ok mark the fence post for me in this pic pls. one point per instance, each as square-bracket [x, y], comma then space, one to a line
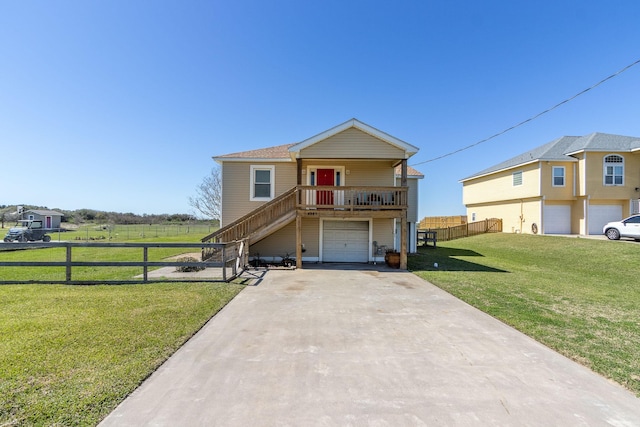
[145, 259]
[224, 263]
[68, 262]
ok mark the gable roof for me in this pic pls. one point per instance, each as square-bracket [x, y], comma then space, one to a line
[355, 123]
[563, 148]
[45, 212]
[279, 152]
[289, 152]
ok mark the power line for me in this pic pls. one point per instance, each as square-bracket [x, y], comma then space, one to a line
[532, 117]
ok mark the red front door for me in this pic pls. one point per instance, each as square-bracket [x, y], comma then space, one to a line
[325, 177]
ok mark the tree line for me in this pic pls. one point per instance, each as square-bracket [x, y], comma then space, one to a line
[207, 202]
[79, 216]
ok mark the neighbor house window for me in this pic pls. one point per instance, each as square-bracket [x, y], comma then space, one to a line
[558, 176]
[613, 170]
[517, 178]
[262, 182]
[473, 216]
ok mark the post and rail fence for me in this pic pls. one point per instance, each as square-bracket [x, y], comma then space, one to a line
[218, 255]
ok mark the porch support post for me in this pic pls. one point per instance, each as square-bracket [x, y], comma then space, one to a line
[403, 176]
[403, 219]
[403, 241]
[298, 241]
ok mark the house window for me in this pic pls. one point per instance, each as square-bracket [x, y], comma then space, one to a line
[558, 176]
[613, 170]
[473, 217]
[517, 178]
[262, 183]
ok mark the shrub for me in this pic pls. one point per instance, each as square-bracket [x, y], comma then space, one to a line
[188, 269]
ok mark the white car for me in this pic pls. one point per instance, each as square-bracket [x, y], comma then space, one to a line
[629, 227]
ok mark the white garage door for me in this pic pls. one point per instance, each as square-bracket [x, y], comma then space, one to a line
[557, 219]
[599, 215]
[345, 241]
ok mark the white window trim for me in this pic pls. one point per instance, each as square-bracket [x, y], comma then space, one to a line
[604, 170]
[341, 169]
[272, 170]
[553, 176]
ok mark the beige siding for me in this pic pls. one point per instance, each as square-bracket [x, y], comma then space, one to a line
[366, 173]
[499, 186]
[236, 182]
[517, 216]
[352, 144]
[412, 195]
[284, 240]
[383, 231]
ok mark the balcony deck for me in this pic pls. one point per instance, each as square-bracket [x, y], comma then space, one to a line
[362, 201]
[315, 202]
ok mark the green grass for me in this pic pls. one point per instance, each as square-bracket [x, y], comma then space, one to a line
[127, 232]
[580, 297]
[70, 354]
[91, 254]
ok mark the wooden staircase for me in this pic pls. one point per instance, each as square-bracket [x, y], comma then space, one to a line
[260, 222]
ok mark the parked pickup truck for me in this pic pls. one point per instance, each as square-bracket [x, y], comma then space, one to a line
[27, 231]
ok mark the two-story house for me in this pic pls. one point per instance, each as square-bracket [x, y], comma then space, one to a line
[343, 195]
[572, 185]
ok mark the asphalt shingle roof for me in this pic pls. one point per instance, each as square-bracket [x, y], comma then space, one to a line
[44, 212]
[277, 152]
[561, 149]
[604, 142]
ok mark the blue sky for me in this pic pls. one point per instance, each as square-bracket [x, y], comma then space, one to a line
[120, 105]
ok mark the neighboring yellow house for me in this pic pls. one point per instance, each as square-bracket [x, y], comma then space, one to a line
[343, 195]
[573, 185]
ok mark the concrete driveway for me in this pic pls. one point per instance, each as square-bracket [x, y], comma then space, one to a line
[326, 347]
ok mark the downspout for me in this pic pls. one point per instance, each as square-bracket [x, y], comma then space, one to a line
[521, 214]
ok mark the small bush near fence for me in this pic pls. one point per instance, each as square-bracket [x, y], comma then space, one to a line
[492, 225]
[188, 268]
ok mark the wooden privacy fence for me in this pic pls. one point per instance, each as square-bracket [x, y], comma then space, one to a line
[492, 225]
[219, 255]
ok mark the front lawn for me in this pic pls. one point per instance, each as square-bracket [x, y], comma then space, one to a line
[578, 296]
[70, 354]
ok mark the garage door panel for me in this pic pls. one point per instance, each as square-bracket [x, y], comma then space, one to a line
[599, 215]
[557, 219]
[345, 241]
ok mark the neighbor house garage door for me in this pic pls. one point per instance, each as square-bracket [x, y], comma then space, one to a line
[599, 215]
[557, 219]
[345, 241]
